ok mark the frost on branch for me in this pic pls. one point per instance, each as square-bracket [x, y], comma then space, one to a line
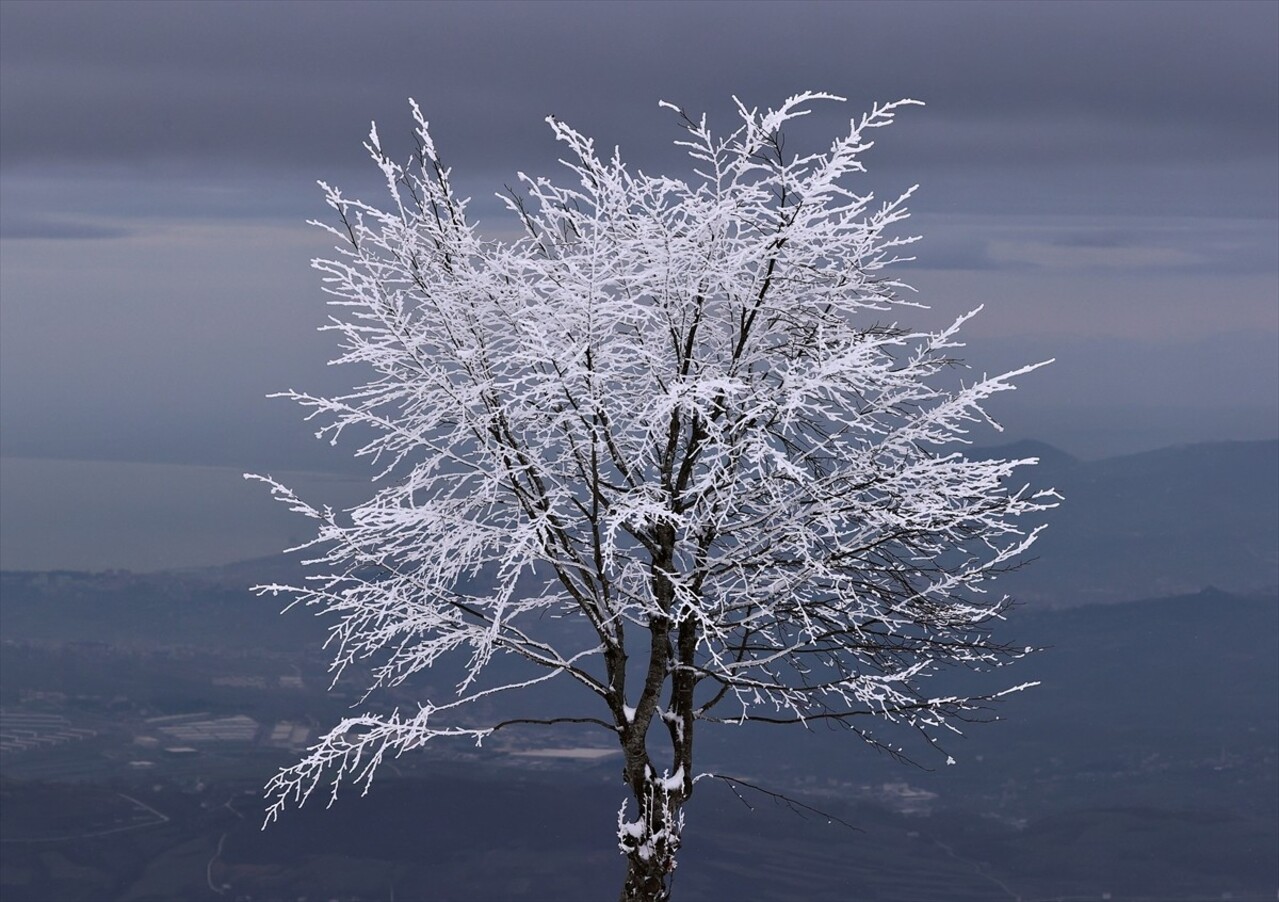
[681, 410]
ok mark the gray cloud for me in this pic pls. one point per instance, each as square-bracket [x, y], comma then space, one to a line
[281, 85]
[1088, 170]
[44, 228]
[1083, 244]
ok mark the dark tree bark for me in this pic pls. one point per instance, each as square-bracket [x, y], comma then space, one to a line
[651, 841]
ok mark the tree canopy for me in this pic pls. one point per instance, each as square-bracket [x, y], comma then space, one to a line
[679, 410]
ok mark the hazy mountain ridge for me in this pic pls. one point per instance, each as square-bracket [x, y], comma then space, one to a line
[126, 609]
[1171, 521]
[1165, 522]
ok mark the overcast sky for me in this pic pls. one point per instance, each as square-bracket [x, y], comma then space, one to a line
[1104, 177]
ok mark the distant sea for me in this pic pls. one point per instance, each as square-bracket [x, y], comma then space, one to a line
[104, 515]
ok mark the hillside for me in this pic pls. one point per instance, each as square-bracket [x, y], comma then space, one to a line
[1164, 522]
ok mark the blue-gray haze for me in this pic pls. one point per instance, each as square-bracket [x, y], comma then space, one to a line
[1103, 177]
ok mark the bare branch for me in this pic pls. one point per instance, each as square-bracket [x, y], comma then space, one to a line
[671, 445]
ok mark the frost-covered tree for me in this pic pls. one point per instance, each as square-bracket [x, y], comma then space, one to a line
[680, 412]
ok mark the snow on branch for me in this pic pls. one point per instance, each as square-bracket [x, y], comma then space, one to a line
[677, 412]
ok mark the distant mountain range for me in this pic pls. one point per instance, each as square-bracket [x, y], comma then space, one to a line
[1164, 522]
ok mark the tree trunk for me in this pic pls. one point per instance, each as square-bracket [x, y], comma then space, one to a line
[646, 881]
[651, 843]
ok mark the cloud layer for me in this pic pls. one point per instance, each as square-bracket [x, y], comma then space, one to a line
[1092, 173]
